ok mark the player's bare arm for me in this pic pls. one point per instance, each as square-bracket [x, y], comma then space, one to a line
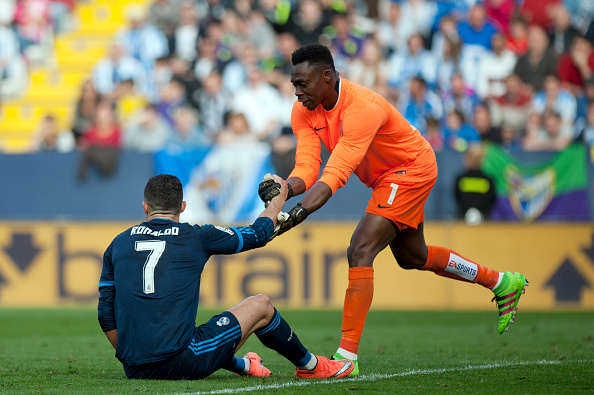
[112, 336]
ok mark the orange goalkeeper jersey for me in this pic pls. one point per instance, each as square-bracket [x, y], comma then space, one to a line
[365, 134]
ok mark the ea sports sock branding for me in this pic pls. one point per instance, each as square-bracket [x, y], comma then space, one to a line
[445, 262]
[461, 267]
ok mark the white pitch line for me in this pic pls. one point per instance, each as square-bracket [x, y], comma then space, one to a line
[375, 377]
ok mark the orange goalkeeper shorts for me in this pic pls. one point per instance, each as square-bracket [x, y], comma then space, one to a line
[401, 199]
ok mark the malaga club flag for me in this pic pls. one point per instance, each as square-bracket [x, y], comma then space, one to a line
[220, 182]
[555, 189]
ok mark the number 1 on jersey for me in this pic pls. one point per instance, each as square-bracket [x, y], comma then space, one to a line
[156, 248]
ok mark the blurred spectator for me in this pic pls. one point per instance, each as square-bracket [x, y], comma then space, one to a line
[587, 133]
[563, 32]
[511, 139]
[517, 41]
[419, 103]
[235, 73]
[475, 33]
[171, 98]
[538, 61]
[181, 70]
[259, 102]
[434, 135]
[213, 104]
[460, 98]
[260, 32]
[577, 65]
[346, 38]
[306, 22]
[416, 61]
[590, 32]
[7, 11]
[511, 108]
[127, 99]
[207, 58]
[501, 12]
[34, 28]
[186, 32]
[117, 67]
[482, 124]
[164, 15]
[140, 39]
[187, 133]
[49, 138]
[539, 12]
[459, 135]
[146, 131]
[159, 77]
[447, 65]
[278, 64]
[474, 190]
[494, 67]
[60, 14]
[13, 69]
[550, 137]
[32, 19]
[283, 146]
[477, 30]
[86, 106]
[370, 69]
[416, 17]
[388, 32]
[101, 143]
[554, 99]
[582, 13]
[448, 31]
[236, 131]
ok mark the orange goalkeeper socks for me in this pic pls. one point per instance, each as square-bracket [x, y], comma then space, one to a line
[445, 262]
[357, 302]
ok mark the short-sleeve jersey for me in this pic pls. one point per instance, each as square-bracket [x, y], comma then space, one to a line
[151, 280]
[365, 135]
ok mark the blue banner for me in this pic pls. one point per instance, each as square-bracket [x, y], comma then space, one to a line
[220, 182]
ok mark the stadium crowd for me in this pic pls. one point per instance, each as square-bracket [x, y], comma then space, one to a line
[189, 73]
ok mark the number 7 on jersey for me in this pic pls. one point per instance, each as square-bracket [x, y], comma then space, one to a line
[156, 248]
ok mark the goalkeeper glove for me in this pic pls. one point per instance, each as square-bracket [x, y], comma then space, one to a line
[268, 189]
[294, 217]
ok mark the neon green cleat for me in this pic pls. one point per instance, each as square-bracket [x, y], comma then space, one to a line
[508, 295]
[355, 371]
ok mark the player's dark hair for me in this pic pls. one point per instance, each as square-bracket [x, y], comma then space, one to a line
[316, 54]
[164, 193]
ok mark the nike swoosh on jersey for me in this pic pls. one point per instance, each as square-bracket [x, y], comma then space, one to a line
[316, 129]
[380, 206]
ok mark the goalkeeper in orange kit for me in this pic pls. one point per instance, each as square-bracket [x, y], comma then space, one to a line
[367, 136]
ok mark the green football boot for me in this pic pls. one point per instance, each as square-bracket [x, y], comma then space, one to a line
[355, 371]
[507, 295]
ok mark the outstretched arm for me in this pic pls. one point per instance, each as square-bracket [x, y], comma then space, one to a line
[317, 196]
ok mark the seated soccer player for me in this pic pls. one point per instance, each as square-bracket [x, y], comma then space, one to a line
[150, 285]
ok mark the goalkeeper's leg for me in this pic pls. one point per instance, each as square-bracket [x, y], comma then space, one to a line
[372, 235]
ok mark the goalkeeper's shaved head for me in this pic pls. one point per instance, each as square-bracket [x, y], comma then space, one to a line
[164, 194]
[316, 54]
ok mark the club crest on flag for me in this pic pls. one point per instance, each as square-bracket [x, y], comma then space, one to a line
[529, 194]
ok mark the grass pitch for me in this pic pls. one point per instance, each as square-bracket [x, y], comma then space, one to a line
[63, 351]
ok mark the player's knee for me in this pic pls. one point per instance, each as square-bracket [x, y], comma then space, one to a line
[360, 255]
[262, 304]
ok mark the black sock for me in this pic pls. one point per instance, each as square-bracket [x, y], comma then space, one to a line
[279, 336]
